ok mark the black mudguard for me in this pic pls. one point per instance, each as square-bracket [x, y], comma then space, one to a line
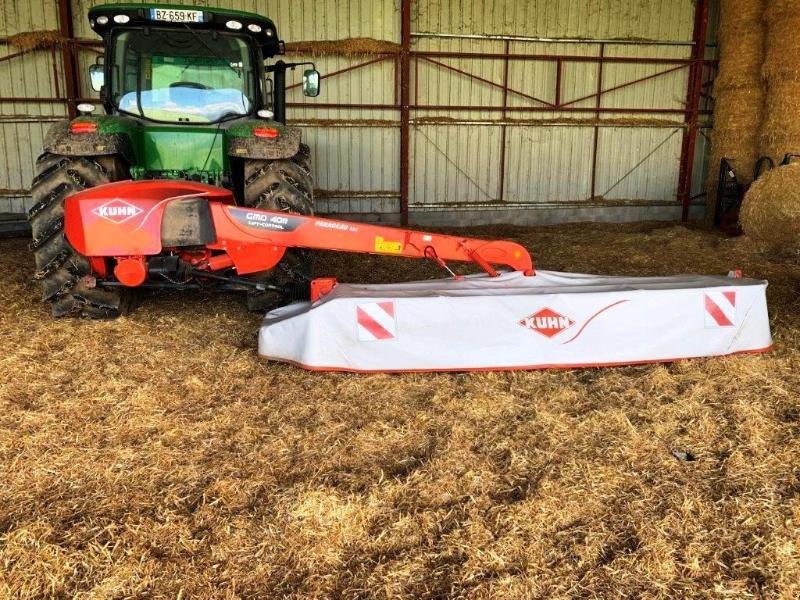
[286, 145]
[60, 140]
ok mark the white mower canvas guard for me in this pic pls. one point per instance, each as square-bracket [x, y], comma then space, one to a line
[550, 320]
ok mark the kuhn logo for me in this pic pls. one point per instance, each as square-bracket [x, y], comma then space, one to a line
[547, 322]
[117, 211]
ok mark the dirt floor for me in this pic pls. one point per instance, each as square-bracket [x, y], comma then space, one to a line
[157, 457]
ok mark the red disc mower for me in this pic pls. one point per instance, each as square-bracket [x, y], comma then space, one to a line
[179, 234]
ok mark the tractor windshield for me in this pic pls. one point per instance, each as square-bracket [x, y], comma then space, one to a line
[182, 76]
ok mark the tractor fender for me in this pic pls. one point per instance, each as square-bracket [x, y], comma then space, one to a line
[285, 145]
[60, 140]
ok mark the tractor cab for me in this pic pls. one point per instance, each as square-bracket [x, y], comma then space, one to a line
[170, 64]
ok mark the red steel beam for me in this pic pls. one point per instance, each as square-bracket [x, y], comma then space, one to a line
[502, 190]
[55, 71]
[396, 81]
[559, 69]
[481, 108]
[405, 110]
[626, 84]
[689, 144]
[14, 55]
[441, 107]
[347, 69]
[68, 56]
[554, 57]
[596, 133]
[559, 63]
[416, 81]
[503, 87]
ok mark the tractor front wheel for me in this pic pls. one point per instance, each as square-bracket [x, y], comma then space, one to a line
[63, 272]
[281, 186]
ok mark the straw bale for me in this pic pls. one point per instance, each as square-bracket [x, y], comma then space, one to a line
[747, 12]
[32, 40]
[740, 60]
[780, 129]
[343, 47]
[738, 93]
[780, 10]
[739, 111]
[782, 60]
[735, 137]
[771, 209]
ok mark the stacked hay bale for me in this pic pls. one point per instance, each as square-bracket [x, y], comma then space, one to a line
[738, 92]
[780, 129]
[771, 209]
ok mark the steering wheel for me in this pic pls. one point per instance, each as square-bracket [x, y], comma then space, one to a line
[189, 84]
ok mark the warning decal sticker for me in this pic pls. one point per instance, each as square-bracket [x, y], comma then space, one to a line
[376, 321]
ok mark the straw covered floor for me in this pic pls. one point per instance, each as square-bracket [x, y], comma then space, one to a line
[156, 457]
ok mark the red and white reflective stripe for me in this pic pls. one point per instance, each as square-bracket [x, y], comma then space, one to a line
[376, 321]
[720, 309]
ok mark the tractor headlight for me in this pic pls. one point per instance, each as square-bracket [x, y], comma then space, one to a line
[121, 19]
[85, 108]
[254, 28]
[233, 25]
[102, 20]
[269, 32]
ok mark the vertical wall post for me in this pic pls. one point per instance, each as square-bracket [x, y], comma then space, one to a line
[693, 95]
[596, 139]
[502, 192]
[405, 113]
[66, 29]
[559, 68]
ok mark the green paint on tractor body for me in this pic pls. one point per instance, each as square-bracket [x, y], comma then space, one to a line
[181, 152]
[171, 151]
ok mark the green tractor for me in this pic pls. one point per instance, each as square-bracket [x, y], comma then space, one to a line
[186, 94]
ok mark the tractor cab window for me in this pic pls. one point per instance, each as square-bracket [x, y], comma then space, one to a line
[182, 76]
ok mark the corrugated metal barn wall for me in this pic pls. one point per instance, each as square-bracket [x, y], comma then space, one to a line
[37, 74]
[534, 111]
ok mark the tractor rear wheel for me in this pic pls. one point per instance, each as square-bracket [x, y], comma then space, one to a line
[60, 269]
[282, 186]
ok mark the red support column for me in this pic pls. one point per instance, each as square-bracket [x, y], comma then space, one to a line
[68, 55]
[558, 83]
[502, 192]
[693, 94]
[598, 99]
[405, 113]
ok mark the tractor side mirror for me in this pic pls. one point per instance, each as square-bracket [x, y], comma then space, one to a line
[97, 77]
[311, 83]
[268, 91]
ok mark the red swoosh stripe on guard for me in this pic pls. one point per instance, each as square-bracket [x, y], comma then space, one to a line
[592, 318]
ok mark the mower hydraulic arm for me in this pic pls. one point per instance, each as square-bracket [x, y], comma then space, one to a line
[249, 228]
[130, 221]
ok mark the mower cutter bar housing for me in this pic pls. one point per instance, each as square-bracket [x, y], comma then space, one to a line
[553, 320]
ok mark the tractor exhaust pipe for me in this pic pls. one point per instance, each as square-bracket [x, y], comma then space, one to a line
[279, 103]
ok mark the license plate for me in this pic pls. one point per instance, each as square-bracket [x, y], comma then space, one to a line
[176, 15]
